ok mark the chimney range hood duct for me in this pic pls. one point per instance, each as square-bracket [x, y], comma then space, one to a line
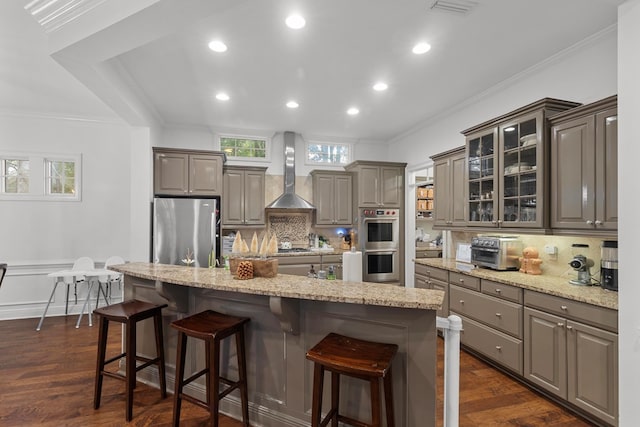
[289, 200]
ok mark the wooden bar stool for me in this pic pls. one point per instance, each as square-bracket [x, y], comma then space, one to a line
[365, 360]
[129, 313]
[212, 327]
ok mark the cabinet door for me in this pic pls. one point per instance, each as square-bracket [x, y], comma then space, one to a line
[592, 360]
[324, 199]
[391, 187]
[545, 351]
[482, 194]
[171, 174]
[253, 198]
[442, 192]
[441, 286]
[573, 174]
[457, 195]
[369, 186]
[343, 209]
[233, 201]
[607, 169]
[205, 175]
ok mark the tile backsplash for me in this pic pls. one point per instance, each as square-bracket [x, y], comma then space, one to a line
[554, 265]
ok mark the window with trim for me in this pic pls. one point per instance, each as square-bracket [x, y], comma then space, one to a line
[326, 153]
[245, 147]
[40, 176]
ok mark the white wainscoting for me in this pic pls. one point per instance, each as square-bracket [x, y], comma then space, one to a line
[26, 289]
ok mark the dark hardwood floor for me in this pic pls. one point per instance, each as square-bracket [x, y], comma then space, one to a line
[46, 379]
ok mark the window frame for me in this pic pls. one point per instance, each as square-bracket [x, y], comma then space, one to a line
[267, 147]
[328, 143]
[38, 188]
[4, 175]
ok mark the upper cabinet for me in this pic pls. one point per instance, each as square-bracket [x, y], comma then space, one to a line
[243, 199]
[507, 171]
[378, 184]
[333, 197]
[449, 188]
[187, 172]
[584, 168]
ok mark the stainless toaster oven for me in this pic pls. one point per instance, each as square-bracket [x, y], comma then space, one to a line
[496, 252]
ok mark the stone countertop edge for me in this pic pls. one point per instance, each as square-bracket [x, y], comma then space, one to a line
[288, 286]
[552, 285]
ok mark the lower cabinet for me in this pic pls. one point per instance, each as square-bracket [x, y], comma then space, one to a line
[426, 277]
[300, 265]
[572, 360]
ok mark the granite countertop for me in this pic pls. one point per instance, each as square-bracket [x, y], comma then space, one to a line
[552, 285]
[288, 286]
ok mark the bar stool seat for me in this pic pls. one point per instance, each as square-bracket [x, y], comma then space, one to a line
[366, 360]
[212, 327]
[129, 313]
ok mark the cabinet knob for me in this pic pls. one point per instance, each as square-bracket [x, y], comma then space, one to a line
[494, 222]
[561, 324]
[498, 315]
[461, 301]
[570, 328]
[589, 222]
[563, 307]
[461, 280]
[498, 290]
[499, 348]
[598, 222]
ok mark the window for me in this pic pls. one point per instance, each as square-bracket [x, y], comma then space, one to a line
[325, 153]
[60, 177]
[245, 147]
[15, 175]
[40, 176]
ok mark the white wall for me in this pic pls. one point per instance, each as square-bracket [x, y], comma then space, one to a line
[584, 73]
[629, 206]
[39, 237]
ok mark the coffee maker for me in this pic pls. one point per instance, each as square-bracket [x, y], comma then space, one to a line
[609, 265]
[582, 264]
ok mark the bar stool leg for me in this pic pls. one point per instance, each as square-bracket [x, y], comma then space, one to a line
[102, 350]
[130, 349]
[316, 406]
[213, 379]
[335, 398]
[177, 396]
[242, 373]
[375, 402]
[388, 399]
[157, 323]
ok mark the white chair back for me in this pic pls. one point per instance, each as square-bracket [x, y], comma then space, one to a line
[82, 263]
[114, 276]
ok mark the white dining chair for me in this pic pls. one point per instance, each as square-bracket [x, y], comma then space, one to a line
[107, 280]
[83, 263]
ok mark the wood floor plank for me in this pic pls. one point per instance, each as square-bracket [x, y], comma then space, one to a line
[46, 379]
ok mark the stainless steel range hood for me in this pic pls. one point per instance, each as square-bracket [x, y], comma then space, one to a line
[289, 200]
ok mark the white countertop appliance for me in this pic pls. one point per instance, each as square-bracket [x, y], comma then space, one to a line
[496, 252]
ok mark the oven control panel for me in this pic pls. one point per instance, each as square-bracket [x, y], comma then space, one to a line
[380, 213]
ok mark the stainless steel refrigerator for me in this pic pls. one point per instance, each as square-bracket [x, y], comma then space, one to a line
[186, 231]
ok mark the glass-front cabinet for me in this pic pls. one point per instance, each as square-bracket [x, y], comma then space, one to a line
[506, 182]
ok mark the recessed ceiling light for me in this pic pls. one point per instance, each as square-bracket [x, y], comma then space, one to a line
[292, 104]
[380, 86]
[217, 46]
[421, 48]
[295, 21]
[221, 96]
[352, 111]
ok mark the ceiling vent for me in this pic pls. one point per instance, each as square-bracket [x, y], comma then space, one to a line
[460, 7]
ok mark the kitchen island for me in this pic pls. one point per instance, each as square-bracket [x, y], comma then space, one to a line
[289, 315]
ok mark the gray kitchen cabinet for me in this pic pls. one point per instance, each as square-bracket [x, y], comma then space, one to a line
[299, 265]
[333, 197]
[449, 188]
[584, 168]
[566, 356]
[378, 184]
[507, 171]
[180, 172]
[243, 201]
[426, 277]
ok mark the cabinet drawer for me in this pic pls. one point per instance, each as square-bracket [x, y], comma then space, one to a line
[425, 282]
[500, 290]
[464, 280]
[502, 315]
[503, 349]
[575, 310]
[436, 273]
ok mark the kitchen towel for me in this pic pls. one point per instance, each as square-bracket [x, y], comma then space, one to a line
[352, 266]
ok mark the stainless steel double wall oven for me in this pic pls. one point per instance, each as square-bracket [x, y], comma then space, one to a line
[380, 244]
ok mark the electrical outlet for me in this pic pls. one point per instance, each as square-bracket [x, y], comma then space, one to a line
[550, 249]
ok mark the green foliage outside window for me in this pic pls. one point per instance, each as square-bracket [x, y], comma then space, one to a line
[244, 147]
[328, 153]
[15, 176]
[61, 177]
